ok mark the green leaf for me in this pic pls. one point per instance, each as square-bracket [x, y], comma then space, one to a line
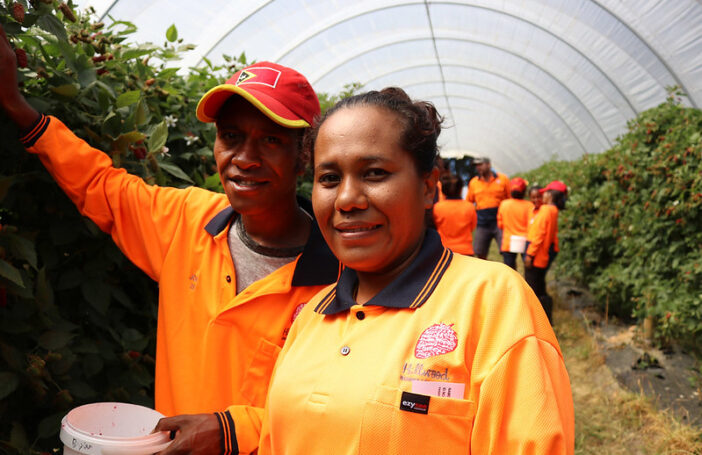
[136, 53]
[54, 340]
[53, 25]
[175, 171]
[44, 292]
[11, 273]
[112, 125]
[67, 90]
[5, 184]
[158, 138]
[23, 249]
[50, 426]
[128, 98]
[96, 294]
[18, 436]
[142, 112]
[168, 72]
[172, 33]
[8, 383]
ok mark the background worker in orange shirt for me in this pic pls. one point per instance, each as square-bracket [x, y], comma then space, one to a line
[513, 218]
[232, 268]
[542, 240]
[486, 190]
[454, 217]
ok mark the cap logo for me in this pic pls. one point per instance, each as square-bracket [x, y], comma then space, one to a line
[259, 75]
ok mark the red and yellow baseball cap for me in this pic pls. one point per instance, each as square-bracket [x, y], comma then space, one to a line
[281, 93]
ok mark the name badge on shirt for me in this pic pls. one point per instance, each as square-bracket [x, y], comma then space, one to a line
[439, 389]
[413, 402]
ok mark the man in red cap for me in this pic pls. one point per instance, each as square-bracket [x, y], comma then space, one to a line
[233, 269]
[513, 219]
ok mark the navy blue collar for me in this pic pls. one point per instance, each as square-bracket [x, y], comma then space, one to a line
[316, 266]
[409, 290]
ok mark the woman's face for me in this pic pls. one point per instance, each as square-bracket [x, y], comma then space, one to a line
[368, 196]
[535, 198]
[547, 197]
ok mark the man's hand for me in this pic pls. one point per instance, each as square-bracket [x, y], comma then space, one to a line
[528, 261]
[197, 434]
[11, 100]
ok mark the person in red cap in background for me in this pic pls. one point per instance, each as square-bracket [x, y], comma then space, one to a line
[486, 190]
[454, 217]
[542, 239]
[513, 219]
[233, 269]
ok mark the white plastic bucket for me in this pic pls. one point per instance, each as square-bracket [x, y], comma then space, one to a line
[517, 244]
[112, 429]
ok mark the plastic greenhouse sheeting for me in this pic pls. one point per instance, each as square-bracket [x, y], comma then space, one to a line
[522, 82]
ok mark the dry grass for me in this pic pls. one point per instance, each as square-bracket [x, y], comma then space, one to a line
[610, 420]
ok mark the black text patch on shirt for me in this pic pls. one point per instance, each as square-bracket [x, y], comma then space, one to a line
[413, 402]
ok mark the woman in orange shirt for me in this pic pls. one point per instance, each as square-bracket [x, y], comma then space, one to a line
[541, 241]
[513, 217]
[455, 218]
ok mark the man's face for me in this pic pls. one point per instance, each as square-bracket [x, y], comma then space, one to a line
[257, 159]
[483, 168]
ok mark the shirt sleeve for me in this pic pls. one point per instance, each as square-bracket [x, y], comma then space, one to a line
[141, 218]
[525, 403]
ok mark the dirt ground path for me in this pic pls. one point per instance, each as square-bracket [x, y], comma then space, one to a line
[608, 418]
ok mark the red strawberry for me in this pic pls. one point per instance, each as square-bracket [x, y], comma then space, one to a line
[18, 12]
[139, 153]
[21, 57]
[67, 13]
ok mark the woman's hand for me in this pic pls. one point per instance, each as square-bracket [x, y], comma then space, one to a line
[528, 261]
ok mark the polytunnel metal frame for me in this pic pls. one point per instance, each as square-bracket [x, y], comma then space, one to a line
[585, 91]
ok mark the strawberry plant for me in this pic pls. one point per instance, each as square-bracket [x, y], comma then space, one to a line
[631, 231]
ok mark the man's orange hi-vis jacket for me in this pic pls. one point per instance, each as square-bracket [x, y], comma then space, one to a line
[214, 348]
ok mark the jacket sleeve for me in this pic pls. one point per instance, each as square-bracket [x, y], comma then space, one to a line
[141, 218]
[240, 428]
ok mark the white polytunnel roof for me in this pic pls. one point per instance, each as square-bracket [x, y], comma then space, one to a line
[520, 81]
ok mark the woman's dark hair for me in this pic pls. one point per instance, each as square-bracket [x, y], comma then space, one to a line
[453, 186]
[421, 123]
[534, 187]
[517, 194]
[558, 198]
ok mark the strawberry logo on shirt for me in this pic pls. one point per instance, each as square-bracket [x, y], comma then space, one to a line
[436, 340]
[297, 312]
